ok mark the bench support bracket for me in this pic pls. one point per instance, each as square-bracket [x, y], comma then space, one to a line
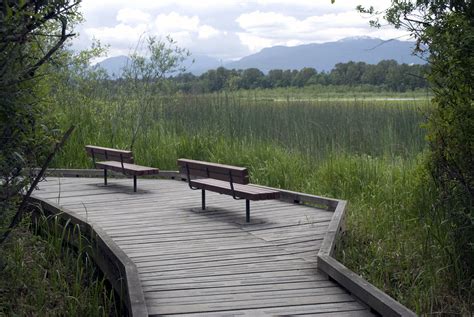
[203, 195]
[135, 183]
[105, 176]
[247, 210]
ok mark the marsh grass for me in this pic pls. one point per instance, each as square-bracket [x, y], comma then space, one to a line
[369, 152]
[335, 92]
[313, 128]
[42, 276]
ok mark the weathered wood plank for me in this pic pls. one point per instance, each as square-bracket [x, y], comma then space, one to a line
[127, 168]
[214, 170]
[252, 303]
[182, 297]
[234, 280]
[242, 191]
[210, 262]
[165, 292]
[326, 310]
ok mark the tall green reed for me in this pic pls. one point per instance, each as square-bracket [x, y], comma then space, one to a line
[366, 151]
[313, 128]
[43, 276]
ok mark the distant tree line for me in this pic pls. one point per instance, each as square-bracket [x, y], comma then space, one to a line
[387, 74]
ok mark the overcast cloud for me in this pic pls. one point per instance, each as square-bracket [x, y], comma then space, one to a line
[226, 29]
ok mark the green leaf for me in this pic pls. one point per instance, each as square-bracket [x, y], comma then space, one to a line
[9, 10]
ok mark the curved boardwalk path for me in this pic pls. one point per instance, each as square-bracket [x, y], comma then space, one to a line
[211, 263]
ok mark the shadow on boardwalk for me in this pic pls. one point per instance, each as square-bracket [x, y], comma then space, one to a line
[211, 262]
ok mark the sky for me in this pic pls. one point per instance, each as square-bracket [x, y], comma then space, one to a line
[226, 30]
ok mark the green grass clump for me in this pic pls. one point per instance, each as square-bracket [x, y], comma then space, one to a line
[367, 151]
[40, 276]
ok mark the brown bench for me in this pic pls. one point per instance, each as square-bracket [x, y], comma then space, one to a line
[118, 161]
[224, 179]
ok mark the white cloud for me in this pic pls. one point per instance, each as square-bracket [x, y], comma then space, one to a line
[118, 35]
[262, 29]
[225, 28]
[174, 22]
[189, 6]
[277, 25]
[262, 22]
[132, 16]
[188, 31]
[253, 42]
[207, 32]
[325, 6]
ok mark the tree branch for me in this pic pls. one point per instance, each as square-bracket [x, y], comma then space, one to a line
[63, 38]
[19, 214]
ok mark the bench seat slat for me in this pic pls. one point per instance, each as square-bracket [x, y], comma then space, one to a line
[214, 170]
[195, 163]
[242, 191]
[108, 154]
[102, 149]
[113, 157]
[130, 168]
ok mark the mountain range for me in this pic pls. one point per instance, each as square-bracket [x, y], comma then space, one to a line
[321, 56]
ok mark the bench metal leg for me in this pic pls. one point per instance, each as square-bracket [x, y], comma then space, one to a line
[105, 176]
[203, 195]
[135, 183]
[247, 210]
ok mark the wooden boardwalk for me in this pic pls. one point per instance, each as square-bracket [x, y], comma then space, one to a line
[211, 263]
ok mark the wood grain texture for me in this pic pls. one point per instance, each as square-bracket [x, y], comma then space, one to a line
[242, 191]
[131, 169]
[109, 154]
[211, 262]
[240, 175]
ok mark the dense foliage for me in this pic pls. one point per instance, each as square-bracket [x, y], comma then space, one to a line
[38, 277]
[387, 74]
[31, 33]
[444, 30]
[451, 130]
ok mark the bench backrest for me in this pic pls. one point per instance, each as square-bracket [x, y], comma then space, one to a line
[108, 154]
[222, 172]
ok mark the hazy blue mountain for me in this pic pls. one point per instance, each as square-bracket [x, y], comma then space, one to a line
[114, 65]
[325, 55]
[202, 63]
[320, 56]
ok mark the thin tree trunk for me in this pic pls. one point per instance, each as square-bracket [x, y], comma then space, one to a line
[19, 214]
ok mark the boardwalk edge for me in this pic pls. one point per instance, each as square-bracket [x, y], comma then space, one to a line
[367, 293]
[373, 297]
[118, 268]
